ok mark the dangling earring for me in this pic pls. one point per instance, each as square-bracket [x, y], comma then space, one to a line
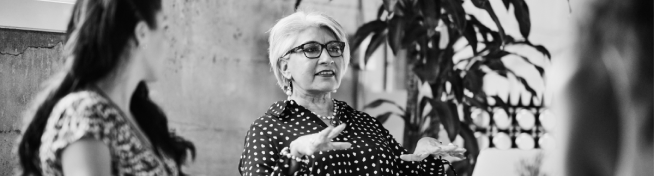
[289, 89]
[334, 91]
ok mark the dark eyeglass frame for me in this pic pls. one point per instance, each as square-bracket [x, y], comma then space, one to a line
[322, 46]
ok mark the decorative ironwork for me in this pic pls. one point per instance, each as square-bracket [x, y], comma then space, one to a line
[520, 125]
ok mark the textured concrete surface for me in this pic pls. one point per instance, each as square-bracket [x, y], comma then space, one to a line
[27, 58]
[216, 81]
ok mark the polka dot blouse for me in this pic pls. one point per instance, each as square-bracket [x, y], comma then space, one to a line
[374, 151]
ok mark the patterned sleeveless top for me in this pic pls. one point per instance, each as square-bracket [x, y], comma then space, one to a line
[89, 115]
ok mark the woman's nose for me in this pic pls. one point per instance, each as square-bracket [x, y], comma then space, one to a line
[325, 58]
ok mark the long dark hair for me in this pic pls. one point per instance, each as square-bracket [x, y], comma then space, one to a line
[98, 34]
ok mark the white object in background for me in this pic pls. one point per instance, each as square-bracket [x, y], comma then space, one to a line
[525, 141]
[547, 119]
[526, 119]
[502, 120]
[480, 117]
[36, 15]
[502, 141]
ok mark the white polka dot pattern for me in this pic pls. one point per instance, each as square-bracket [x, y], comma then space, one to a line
[374, 151]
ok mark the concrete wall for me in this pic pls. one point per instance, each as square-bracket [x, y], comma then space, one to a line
[217, 78]
[27, 58]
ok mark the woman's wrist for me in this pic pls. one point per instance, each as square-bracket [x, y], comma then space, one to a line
[293, 151]
[286, 152]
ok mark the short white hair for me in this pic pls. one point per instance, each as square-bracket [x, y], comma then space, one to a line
[284, 34]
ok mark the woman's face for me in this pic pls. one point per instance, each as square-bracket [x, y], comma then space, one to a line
[314, 75]
[153, 48]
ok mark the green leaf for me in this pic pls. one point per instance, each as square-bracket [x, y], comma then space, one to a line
[467, 114]
[493, 16]
[472, 151]
[479, 3]
[457, 85]
[500, 102]
[380, 12]
[455, 9]
[432, 12]
[428, 69]
[390, 5]
[526, 85]
[414, 32]
[473, 79]
[423, 102]
[376, 41]
[471, 35]
[507, 3]
[396, 33]
[521, 11]
[543, 50]
[367, 29]
[379, 102]
[540, 69]
[297, 4]
[383, 117]
[494, 64]
[447, 114]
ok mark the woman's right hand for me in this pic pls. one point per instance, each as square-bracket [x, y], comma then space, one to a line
[316, 142]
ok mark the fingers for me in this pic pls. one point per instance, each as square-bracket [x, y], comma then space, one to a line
[340, 145]
[414, 157]
[335, 131]
[325, 133]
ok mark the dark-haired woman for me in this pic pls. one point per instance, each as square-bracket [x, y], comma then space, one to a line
[95, 117]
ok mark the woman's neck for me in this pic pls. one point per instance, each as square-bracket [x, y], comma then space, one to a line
[320, 103]
[119, 88]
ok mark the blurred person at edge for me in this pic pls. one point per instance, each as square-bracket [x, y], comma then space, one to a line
[95, 117]
[606, 92]
[312, 134]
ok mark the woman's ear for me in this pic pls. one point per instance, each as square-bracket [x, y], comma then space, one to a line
[283, 68]
[141, 33]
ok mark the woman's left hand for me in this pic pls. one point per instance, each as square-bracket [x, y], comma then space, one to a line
[430, 146]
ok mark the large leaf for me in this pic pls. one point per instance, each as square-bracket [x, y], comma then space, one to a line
[379, 102]
[540, 48]
[396, 27]
[526, 85]
[367, 29]
[376, 41]
[473, 79]
[431, 15]
[389, 5]
[521, 11]
[543, 50]
[540, 69]
[447, 113]
[380, 11]
[428, 69]
[479, 3]
[456, 83]
[471, 35]
[423, 103]
[416, 30]
[383, 117]
[297, 4]
[455, 9]
[493, 16]
[472, 152]
[507, 3]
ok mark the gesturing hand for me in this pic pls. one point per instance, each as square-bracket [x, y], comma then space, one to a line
[316, 142]
[430, 146]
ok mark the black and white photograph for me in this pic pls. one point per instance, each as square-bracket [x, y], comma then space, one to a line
[326, 88]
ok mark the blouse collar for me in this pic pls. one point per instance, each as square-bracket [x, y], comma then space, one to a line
[283, 108]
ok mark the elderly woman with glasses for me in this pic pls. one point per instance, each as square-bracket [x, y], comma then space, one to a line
[312, 134]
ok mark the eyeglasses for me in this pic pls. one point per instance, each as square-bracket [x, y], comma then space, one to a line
[313, 50]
